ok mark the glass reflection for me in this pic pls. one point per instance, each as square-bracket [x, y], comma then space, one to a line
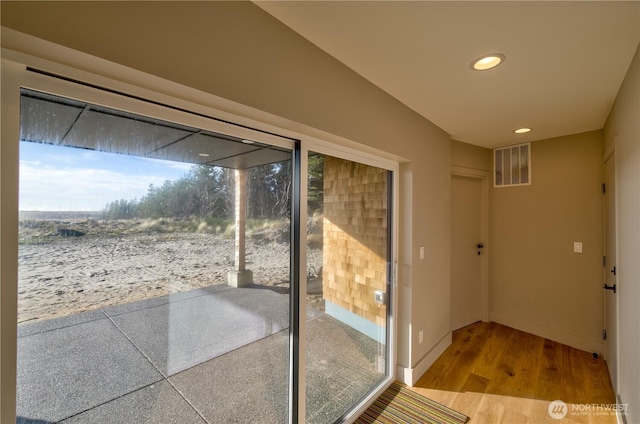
[347, 335]
[124, 306]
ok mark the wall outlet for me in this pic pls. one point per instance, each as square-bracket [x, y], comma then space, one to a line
[421, 252]
[420, 336]
[577, 247]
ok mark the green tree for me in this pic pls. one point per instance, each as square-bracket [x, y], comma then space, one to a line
[315, 183]
[208, 192]
[121, 209]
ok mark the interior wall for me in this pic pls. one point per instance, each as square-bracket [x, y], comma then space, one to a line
[537, 283]
[622, 133]
[469, 156]
[238, 52]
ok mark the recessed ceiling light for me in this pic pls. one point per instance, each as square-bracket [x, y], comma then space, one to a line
[522, 130]
[248, 141]
[204, 155]
[487, 62]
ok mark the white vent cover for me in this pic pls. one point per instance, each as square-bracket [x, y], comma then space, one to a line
[512, 165]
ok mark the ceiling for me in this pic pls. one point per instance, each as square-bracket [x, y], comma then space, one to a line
[59, 121]
[565, 61]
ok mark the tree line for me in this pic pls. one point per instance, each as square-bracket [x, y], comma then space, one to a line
[208, 192]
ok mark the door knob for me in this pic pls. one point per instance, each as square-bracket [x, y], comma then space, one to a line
[607, 287]
[480, 246]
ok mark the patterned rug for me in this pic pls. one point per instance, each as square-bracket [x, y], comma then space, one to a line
[398, 405]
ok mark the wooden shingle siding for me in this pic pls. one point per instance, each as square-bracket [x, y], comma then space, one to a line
[354, 236]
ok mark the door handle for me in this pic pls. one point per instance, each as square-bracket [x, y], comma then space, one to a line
[613, 270]
[380, 297]
[480, 246]
[607, 287]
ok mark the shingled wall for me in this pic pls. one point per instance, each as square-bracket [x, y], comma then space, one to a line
[354, 237]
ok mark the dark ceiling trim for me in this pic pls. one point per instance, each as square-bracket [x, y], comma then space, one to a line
[132, 96]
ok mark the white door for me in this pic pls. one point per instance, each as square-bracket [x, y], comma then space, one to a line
[467, 249]
[610, 296]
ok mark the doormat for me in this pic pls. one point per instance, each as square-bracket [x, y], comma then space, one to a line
[399, 405]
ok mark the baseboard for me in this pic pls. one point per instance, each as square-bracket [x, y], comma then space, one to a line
[621, 416]
[555, 334]
[410, 376]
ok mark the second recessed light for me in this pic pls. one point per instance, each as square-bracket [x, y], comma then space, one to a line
[522, 130]
[487, 62]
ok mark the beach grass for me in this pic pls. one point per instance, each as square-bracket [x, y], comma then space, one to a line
[46, 230]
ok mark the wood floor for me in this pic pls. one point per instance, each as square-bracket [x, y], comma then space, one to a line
[496, 374]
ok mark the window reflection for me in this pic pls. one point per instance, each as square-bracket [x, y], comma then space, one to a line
[346, 344]
[127, 241]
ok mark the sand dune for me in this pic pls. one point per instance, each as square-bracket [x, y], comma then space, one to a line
[66, 275]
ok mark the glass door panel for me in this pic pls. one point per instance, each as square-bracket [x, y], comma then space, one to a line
[154, 268]
[347, 290]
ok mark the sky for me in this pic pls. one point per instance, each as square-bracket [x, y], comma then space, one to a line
[60, 178]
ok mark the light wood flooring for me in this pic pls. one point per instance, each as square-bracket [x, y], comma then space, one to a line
[496, 374]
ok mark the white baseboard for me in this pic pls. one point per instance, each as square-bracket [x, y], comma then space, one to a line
[551, 333]
[620, 415]
[410, 376]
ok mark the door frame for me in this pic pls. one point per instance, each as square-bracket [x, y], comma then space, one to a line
[606, 268]
[317, 145]
[483, 177]
[145, 94]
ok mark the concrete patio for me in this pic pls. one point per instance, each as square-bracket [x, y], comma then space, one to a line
[213, 355]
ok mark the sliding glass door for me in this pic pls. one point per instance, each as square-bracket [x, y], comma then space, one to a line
[348, 289]
[162, 275]
[153, 269]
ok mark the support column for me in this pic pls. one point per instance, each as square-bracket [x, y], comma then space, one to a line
[240, 276]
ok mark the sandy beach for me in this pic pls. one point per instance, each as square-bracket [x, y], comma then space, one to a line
[62, 275]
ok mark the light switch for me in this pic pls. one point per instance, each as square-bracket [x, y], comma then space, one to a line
[421, 252]
[577, 247]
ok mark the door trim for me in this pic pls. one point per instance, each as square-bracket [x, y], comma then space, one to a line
[483, 177]
[610, 156]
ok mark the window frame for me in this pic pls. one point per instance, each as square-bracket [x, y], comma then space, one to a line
[130, 93]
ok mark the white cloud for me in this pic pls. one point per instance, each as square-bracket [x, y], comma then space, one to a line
[79, 189]
[182, 166]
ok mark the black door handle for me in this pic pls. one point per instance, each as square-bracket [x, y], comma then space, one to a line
[480, 246]
[613, 270]
[607, 287]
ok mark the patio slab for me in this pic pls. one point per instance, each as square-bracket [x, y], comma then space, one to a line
[126, 308]
[181, 334]
[158, 403]
[28, 329]
[211, 355]
[248, 385]
[341, 368]
[66, 371]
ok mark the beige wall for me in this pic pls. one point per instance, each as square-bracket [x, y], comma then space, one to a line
[237, 51]
[537, 283]
[622, 133]
[469, 156]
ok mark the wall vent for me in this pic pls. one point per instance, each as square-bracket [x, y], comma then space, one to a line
[512, 165]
